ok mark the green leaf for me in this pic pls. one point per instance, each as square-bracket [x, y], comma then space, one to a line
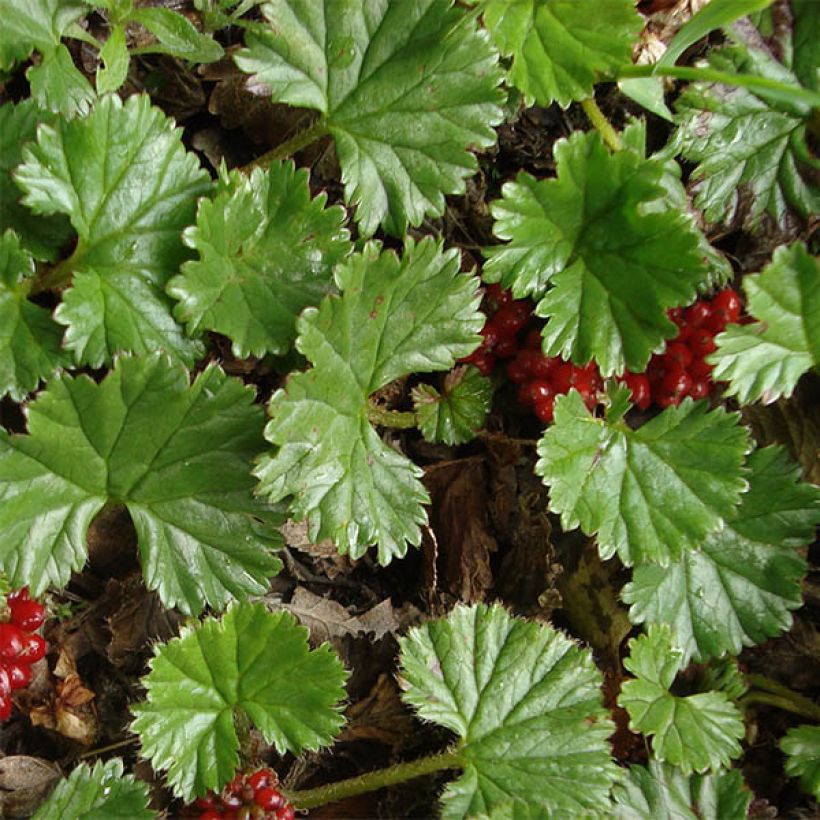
[600, 250]
[649, 494]
[266, 251]
[806, 59]
[648, 92]
[177, 35]
[30, 24]
[116, 60]
[29, 338]
[712, 16]
[561, 48]
[458, 412]
[251, 663]
[405, 89]
[177, 455]
[41, 236]
[103, 792]
[58, 85]
[801, 745]
[751, 157]
[525, 702]
[394, 317]
[698, 732]
[662, 792]
[764, 360]
[739, 587]
[129, 188]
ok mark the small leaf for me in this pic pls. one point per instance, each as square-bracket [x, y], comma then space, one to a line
[58, 85]
[648, 92]
[250, 662]
[177, 35]
[662, 792]
[266, 251]
[649, 494]
[455, 415]
[738, 588]
[394, 317]
[405, 89]
[29, 338]
[698, 732]
[126, 182]
[764, 360]
[41, 236]
[603, 250]
[559, 49]
[116, 60]
[30, 24]
[526, 704]
[801, 745]
[103, 792]
[177, 455]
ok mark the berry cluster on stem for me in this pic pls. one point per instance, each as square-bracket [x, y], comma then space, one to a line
[249, 796]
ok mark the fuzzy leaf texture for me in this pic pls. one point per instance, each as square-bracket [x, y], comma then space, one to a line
[416, 314]
[651, 494]
[561, 48]
[29, 338]
[659, 791]
[752, 158]
[801, 745]
[266, 251]
[41, 236]
[177, 455]
[526, 704]
[252, 662]
[99, 793]
[458, 412]
[125, 181]
[739, 587]
[696, 733]
[764, 360]
[404, 88]
[604, 261]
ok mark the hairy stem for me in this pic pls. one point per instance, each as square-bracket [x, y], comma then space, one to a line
[289, 147]
[56, 276]
[602, 125]
[771, 693]
[372, 781]
[391, 418]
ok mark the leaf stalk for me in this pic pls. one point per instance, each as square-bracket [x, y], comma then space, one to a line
[391, 418]
[373, 781]
[771, 693]
[289, 147]
[602, 125]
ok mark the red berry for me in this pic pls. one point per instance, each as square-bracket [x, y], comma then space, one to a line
[11, 641]
[211, 814]
[676, 315]
[207, 802]
[17, 595]
[269, 799]
[512, 317]
[701, 342]
[286, 813]
[523, 394]
[19, 675]
[545, 408]
[665, 400]
[679, 353]
[698, 314]
[506, 347]
[5, 681]
[727, 303]
[541, 391]
[700, 370]
[676, 382]
[562, 377]
[5, 707]
[542, 366]
[34, 648]
[497, 294]
[482, 360]
[28, 615]
[262, 779]
[517, 370]
[638, 383]
[534, 340]
[699, 389]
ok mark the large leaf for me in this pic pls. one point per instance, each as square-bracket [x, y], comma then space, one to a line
[649, 494]
[602, 248]
[394, 317]
[801, 746]
[698, 732]
[405, 89]
[764, 360]
[129, 188]
[526, 704]
[662, 792]
[176, 454]
[266, 250]
[29, 338]
[560, 48]
[41, 236]
[752, 159]
[252, 663]
[739, 587]
[99, 793]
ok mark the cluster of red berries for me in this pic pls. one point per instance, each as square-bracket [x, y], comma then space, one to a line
[20, 645]
[252, 796]
[681, 370]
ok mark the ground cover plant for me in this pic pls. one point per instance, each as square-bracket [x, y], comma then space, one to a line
[409, 408]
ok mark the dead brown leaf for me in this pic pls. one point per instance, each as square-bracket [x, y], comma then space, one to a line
[24, 783]
[381, 716]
